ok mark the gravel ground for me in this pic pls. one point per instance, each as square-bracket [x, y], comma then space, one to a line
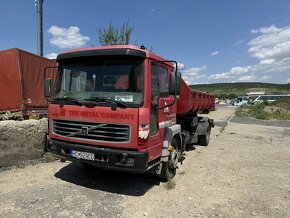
[243, 172]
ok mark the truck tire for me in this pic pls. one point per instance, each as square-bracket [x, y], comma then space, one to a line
[168, 169]
[204, 139]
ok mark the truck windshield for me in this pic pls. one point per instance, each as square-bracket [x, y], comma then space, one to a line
[116, 78]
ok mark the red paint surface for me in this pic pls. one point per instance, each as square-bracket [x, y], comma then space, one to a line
[128, 116]
[22, 80]
[193, 101]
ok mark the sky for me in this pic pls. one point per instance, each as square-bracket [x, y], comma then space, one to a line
[214, 41]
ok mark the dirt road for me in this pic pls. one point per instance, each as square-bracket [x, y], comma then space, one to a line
[243, 172]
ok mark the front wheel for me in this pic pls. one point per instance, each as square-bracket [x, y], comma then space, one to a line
[168, 170]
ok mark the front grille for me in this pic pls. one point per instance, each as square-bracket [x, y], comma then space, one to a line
[92, 131]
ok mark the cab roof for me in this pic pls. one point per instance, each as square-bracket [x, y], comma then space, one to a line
[130, 50]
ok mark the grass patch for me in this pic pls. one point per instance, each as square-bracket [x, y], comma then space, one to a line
[278, 110]
[47, 158]
[223, 128]
[181, 172]
[170, 184]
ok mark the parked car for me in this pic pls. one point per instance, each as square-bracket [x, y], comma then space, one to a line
[242, 101]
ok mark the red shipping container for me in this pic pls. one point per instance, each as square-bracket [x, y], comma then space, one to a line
[22, 80]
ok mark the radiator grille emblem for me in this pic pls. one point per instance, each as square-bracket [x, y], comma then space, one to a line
[85, 130]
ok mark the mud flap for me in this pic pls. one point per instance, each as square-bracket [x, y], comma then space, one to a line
[170, 133]
[203, 125]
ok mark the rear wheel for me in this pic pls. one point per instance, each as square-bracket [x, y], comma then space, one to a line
[168, 170]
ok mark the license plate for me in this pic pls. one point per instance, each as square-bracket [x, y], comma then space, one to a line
[82, 155]
[34, 116]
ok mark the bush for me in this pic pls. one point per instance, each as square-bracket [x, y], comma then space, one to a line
[283, 103]
[258, 111]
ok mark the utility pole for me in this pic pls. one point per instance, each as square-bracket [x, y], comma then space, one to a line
[38, 4]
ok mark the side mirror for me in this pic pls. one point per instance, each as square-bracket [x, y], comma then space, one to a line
[172, 83]
[47, 88]
[178, 80]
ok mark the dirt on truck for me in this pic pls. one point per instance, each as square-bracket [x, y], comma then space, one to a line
[124, 108]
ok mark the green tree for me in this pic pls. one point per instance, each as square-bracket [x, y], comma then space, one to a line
[232, 95]
[115, 35]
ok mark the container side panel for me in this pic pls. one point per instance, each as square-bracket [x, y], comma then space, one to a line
[192, 100]
[184, 103]
[32, 73]
[10, 96]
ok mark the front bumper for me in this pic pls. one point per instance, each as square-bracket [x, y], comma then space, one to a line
[104, 157]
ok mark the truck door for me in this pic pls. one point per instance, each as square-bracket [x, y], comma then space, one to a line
[159, 117]
[154, 141]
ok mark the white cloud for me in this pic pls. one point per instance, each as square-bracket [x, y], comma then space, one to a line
[239, 70]
[288, 80]
[193, 71]
[214, 53]
[272, 43]
[233, 72]
[271, 47]
[200, 76]
[282, 65]
[265, 30]
[192, 74]
[51, 55]
[264, 78]
[152, 10]
[239, 42]
[247, 78]
[271, 52]
[65, 38]
[267, 61]
[220, 76]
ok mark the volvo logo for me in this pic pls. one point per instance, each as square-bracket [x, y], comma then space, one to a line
[85, 130]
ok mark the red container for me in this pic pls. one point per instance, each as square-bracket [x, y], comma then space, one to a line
[22, 80]
[191, 101]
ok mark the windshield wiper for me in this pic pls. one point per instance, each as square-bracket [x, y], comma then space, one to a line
[92, 102]
[77, 101]
[121, 102]
[117, 102]
[73, 100]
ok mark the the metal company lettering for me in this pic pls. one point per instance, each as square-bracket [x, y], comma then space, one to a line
[102, 115]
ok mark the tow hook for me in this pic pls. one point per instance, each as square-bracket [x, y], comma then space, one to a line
[124, 158]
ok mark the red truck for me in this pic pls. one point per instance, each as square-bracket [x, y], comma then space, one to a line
[124, 108]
